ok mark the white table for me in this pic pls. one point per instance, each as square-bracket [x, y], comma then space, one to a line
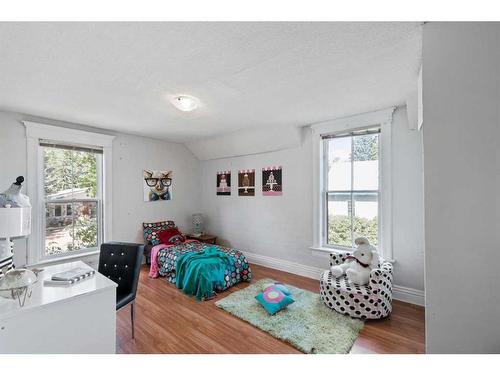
[80, 318]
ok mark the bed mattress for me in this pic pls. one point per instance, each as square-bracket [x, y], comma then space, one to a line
[167, 259]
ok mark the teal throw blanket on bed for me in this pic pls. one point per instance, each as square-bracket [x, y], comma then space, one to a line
[198, 274]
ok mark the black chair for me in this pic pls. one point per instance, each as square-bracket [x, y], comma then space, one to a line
[121, 262]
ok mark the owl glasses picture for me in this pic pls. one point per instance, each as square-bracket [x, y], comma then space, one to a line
[157, 185]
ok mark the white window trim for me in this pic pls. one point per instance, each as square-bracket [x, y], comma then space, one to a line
[382, 118]
[36, 131]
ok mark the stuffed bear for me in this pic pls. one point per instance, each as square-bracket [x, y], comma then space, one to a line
[358, 266]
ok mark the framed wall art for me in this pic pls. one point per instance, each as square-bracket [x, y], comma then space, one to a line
[246, 182]
[157, 185]
[224, 183]
[272, 181]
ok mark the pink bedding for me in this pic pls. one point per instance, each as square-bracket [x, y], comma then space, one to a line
[153, 269]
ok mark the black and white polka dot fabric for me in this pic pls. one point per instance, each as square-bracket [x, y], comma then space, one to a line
[371, 301]
[6, 264]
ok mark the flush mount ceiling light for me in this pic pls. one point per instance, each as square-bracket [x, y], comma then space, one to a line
[185, 103]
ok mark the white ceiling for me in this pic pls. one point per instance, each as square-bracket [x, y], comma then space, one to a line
[119, 76]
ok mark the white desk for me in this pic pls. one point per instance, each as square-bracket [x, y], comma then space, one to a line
[61, 319]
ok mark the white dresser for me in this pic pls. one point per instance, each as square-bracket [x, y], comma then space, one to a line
[72, 319]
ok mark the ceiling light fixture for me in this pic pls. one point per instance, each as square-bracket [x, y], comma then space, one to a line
[185, 103]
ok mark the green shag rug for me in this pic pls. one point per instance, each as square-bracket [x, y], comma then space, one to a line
[307, 324]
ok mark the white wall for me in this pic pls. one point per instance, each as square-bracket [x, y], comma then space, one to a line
[246, 142]
[280, 227]
[461, 73]
[131, 154]
[407, 203]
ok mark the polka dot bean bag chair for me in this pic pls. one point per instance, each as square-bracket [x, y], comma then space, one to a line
[370, 301]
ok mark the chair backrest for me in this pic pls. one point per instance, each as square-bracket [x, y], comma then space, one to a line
[121, 262]
[338, 258]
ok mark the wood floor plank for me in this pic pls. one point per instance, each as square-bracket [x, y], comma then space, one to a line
[167, 321]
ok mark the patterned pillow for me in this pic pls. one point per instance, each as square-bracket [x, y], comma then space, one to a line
[151, 230]
[273, 299]
[171, 236]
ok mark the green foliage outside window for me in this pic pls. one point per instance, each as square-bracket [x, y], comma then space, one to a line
[64, 170]
[339, 229]
[365, 148]
[85, 233]
[67, 169]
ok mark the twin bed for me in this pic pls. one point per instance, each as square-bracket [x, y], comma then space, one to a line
[163, 260]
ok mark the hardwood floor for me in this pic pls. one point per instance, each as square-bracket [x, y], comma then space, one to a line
[167, 321]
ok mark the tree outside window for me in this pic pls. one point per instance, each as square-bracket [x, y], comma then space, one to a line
[71, 181]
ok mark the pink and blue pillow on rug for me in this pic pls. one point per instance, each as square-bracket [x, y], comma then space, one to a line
[275, 298]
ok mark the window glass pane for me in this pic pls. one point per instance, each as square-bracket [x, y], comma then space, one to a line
[70, 231]
[365, 162]
[57, 172]
[85, 177]
[352, 205]
[58, 231]
[339, 163]
[69, 174]
[85, 220]
[339, 219]
[365, 216]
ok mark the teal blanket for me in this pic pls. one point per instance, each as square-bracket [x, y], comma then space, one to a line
[198, 274]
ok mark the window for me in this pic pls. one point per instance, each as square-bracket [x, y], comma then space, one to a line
[69, 184]
[351, 187]
[352, 192]
[72, 180]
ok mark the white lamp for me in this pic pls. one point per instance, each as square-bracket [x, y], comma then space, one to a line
[198, 224]
[14, 222]
[14, 283]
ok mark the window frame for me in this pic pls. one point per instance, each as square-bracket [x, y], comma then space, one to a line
[382, 119]
[64, 203]
[35, 179]
[326, 192]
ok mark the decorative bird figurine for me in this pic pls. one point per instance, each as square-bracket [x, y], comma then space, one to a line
[13, 195]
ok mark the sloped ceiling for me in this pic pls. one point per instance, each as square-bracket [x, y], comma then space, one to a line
[119, 76]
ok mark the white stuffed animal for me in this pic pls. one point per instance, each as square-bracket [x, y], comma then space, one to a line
[358, 266]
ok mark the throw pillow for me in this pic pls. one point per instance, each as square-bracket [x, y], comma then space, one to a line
[273, 299]
[278, 286]
[151, 231]
[171, 236]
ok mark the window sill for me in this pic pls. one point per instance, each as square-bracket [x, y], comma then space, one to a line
[65, 259]
[326, 251]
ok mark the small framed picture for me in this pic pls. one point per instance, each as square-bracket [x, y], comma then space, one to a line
[246, 183]
[224, 183]
[272, 181]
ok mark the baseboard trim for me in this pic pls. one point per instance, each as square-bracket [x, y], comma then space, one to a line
[410, 295]
[400, 293]
[284, 265]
